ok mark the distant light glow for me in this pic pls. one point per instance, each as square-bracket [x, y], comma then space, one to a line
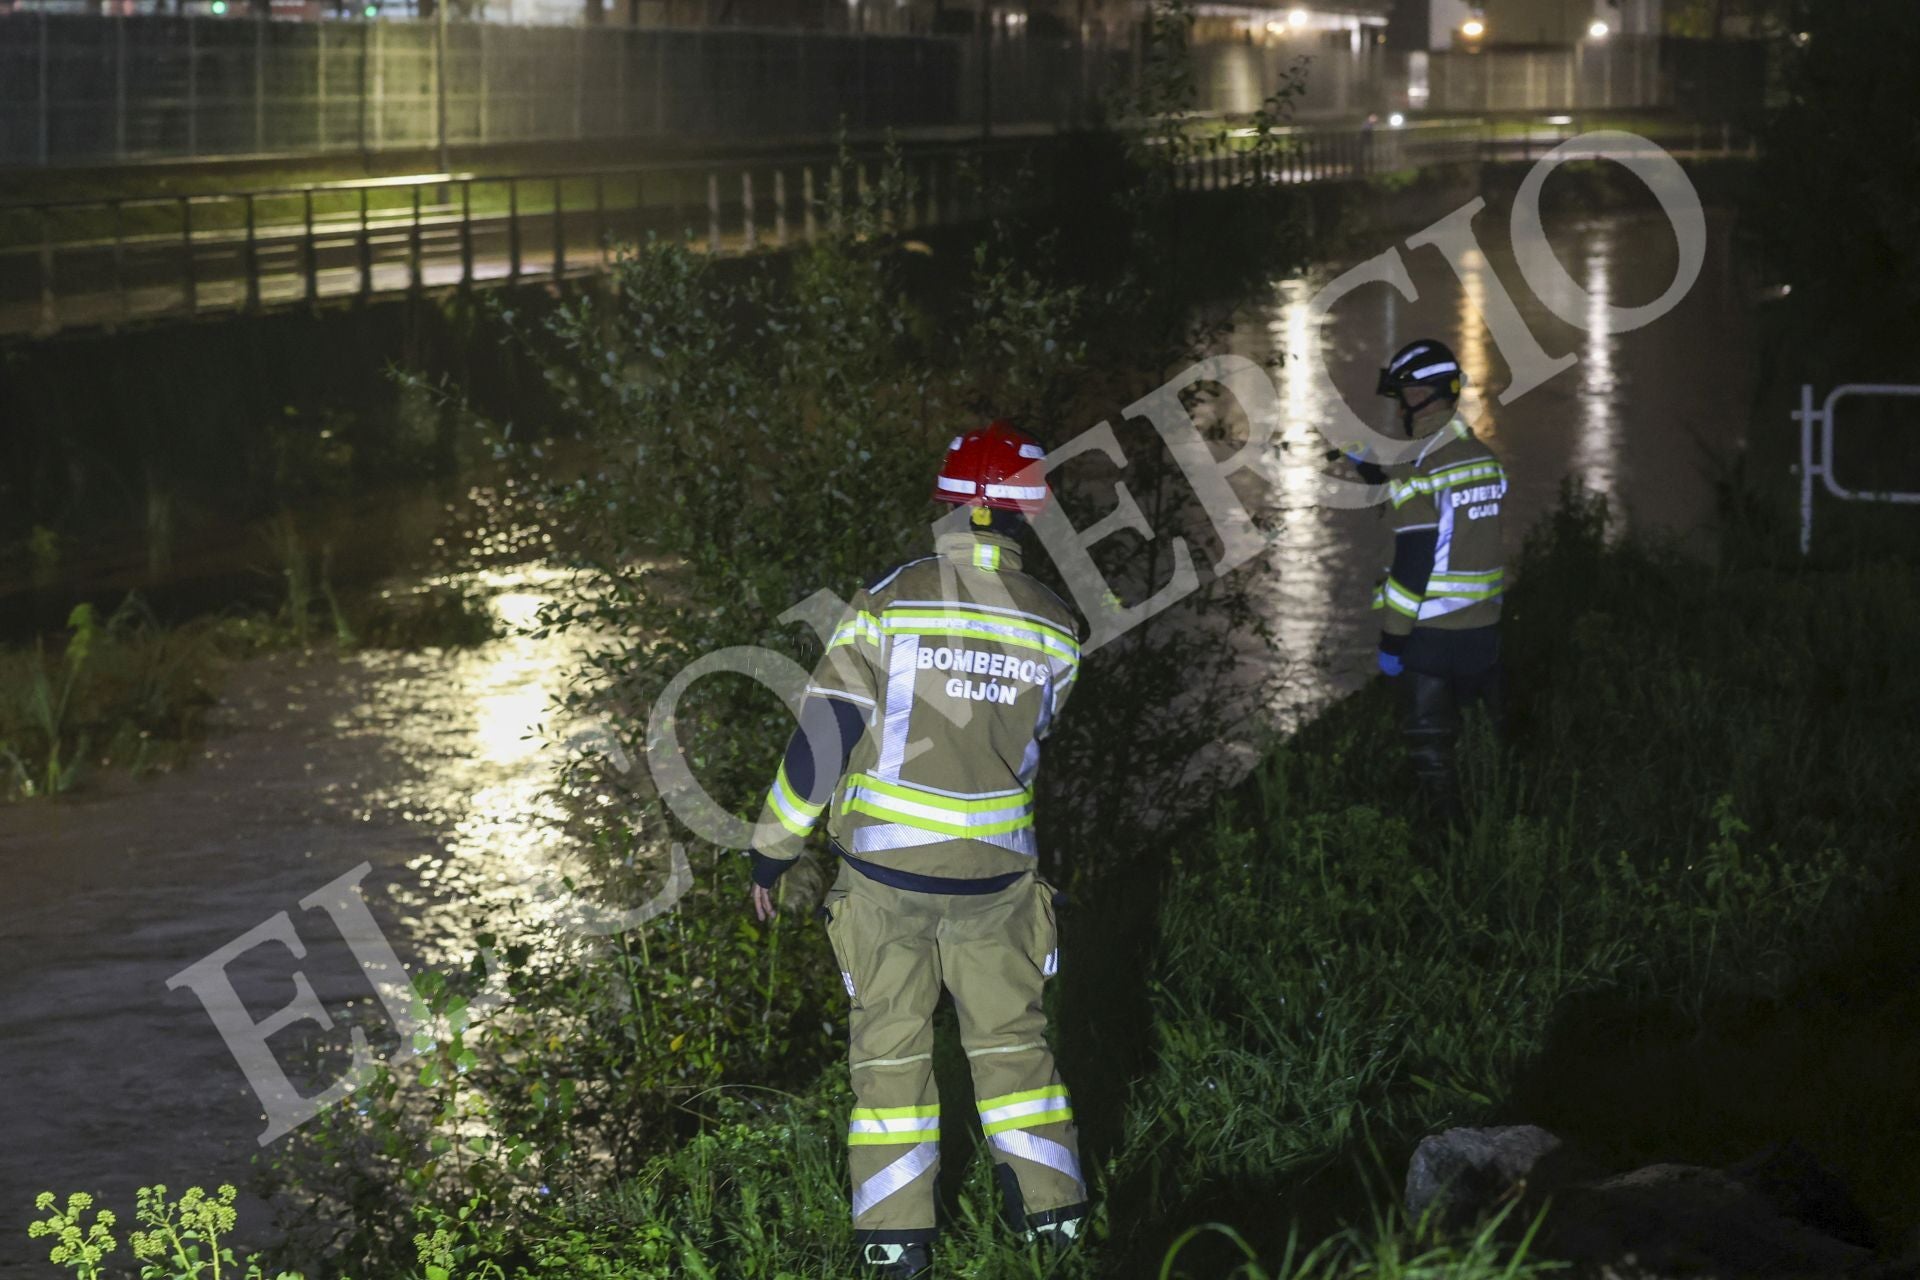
[1298, 17]
[1559, 119]
[1396, 119]
[1473, 28]
[1598, 30]
[219, 7]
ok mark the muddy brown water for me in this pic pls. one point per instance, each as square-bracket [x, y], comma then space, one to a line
[428, 766]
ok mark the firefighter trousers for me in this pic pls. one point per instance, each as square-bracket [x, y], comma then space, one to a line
[1447, 672]
[994, 951]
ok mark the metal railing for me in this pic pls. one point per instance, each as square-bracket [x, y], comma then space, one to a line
[106, 264]
[111, 263]
[1816, 459]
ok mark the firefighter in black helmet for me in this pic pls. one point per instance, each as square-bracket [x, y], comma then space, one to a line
[1440, 600]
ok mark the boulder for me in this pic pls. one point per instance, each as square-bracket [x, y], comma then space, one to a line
[1462, 1173]
[1779, 1214]
[1683, 1220]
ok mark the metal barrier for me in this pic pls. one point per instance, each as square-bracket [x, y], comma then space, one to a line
[105, 264]
[1818, 462]
[115, 262]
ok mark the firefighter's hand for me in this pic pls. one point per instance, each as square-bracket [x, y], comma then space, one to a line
[763, 908]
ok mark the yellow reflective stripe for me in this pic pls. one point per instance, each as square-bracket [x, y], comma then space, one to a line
[897, 1113]
[935, 799]
[793, 797]
[1402, 491]
[1052, 649]
[1399, 599]
[1466, 584]
[1027, 1095]
[986, 556]
[862, 626]
[1024, 622]
[801, 829]
[904, 1138]
[1033, 1121]
[959, 830]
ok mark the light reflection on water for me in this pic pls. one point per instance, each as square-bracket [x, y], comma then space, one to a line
[435, 767]
[1628, 421]
[481, 743]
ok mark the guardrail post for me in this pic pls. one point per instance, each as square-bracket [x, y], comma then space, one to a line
[780, 207]
[746, 200]
[311, 255]
[513, 229]
[466, 233]
[252, 259]
[366, 249]
[49, 316]
[713, 212]
[559, 229]
[192, 284]
[807, 202]
[601, 235]
[413, 245]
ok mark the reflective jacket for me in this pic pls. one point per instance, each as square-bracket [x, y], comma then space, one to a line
[1449, 568]
[957, 664]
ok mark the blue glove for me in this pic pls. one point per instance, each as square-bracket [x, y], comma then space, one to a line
[1390, 663]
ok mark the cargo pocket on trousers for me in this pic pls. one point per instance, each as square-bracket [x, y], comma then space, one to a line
[1044, 946]
[834, 911]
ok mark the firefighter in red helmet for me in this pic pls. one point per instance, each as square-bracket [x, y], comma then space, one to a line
[918, 744]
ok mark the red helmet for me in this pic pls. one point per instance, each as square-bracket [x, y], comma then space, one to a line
[994, 466]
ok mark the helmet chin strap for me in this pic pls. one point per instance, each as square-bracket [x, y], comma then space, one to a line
[1409, 413]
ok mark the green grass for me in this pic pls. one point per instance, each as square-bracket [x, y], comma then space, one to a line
[1678, 894]
[123, 692]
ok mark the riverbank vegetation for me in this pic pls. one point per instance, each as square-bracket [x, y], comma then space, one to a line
[1675, 858]
[129, 692]
[1677, 895]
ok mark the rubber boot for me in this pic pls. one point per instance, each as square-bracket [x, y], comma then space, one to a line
[897, 1261]
[1431, 725]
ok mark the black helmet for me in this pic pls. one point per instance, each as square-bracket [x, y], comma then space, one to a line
[1425, 363]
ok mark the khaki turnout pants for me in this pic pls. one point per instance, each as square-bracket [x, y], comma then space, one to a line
[993, 952]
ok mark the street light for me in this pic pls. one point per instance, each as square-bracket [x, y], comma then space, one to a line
[1298, 17]
[1598, 30]
[1473, 28]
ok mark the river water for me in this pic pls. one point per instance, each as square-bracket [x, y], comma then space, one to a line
[429, 767]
